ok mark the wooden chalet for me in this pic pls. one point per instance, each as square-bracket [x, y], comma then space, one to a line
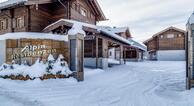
[35, 15]
[58, 16]
[135, 52]
[168, 44]
[98, 40]
[190, 53]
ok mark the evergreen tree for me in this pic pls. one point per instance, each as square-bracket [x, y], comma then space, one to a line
[51, 62]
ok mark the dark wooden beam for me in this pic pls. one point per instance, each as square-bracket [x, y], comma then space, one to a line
[96, 52]
[124, 55]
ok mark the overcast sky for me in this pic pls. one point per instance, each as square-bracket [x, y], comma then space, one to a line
[146, 17]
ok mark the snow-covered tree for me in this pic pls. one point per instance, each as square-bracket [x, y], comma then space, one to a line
[51, 62]
[4, 66]
[12, 64]
[61, 60]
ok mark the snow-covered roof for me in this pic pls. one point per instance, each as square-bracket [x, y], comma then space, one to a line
[107, 31]
[101, 29]
[113, 35]
[116, 29]
[174, 28]
[191, 19]
[138, 45]
[72, 22]
[120, 29]
[169, 28]
[33, 35]
[11, 3]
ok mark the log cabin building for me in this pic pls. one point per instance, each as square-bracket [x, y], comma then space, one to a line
[167, 45]
[190, 53]
[135, 52]
[35, 15]
[57, 17]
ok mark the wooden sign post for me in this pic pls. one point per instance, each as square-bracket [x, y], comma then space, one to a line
[77, 55]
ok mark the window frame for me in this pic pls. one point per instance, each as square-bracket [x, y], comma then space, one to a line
[3, 24]
[170, 36]
[83, 11]
[20, 22]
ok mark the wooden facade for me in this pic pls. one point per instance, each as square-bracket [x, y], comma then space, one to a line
[169, 39]
[35, 15]
[134, 54]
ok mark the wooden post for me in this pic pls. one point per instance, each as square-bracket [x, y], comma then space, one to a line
[77, 55]
[96, 52]
[124, 55]
[121, 54]
[137, 54]
[105, 54]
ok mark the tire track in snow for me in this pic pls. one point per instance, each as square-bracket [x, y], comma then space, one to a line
[17, 98]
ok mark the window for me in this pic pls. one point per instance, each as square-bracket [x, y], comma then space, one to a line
[3, 24]
[179, 35]
[83, 12]
[161, 36]
[20, 22]
[74, 6]
[170, 36]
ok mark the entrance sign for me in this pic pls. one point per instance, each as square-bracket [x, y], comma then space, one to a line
[29, 50]
[33, 50]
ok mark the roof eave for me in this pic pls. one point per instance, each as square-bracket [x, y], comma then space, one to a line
[101, 16]
[13, 5]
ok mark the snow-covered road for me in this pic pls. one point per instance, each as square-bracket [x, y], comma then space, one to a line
[134, 84]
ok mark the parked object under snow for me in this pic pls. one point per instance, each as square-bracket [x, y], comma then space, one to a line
[51, 69]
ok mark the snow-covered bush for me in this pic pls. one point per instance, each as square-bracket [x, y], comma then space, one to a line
[50, 63]
[38, 70]
[61, 67]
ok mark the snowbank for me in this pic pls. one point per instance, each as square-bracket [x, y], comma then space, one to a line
[132, 84]
[39, 69]
[113, 61]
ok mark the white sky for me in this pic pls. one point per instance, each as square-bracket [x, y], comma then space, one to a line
[146, 17]
[2, 0]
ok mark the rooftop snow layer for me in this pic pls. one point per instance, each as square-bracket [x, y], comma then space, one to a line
[138, 45]
[117, 29]
[113, 35]
[10, 3]
[32, 35]
[108, 31]
[101, 29]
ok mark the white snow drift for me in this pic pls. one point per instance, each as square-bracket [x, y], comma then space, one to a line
[135, 84]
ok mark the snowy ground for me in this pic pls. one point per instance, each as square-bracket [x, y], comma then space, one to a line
[134, 84]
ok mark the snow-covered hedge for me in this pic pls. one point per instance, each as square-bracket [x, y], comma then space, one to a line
[53, 68]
